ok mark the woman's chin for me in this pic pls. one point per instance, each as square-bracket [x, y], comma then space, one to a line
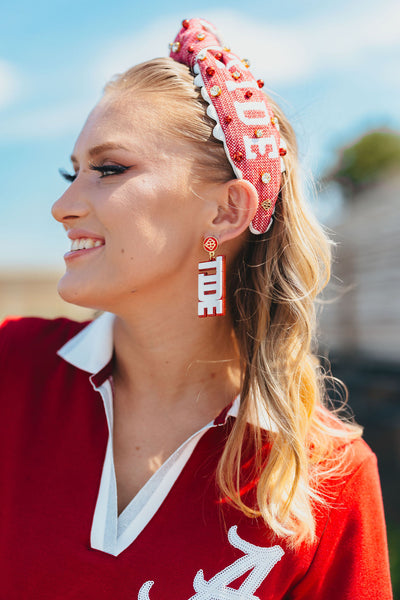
[71, 291]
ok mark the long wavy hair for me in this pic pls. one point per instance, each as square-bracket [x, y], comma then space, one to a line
[272, 290]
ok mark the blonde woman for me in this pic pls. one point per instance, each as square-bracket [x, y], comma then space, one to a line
[153, 454]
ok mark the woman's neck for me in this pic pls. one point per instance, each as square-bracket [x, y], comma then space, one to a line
[179, 362]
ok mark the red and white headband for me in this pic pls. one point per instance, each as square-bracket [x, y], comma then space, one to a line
[245, 122]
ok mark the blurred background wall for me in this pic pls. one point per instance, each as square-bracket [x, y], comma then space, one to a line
[34, 293]
[360, 320]
[332, 66]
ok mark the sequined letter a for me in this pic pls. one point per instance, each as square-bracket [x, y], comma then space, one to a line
[259, 561]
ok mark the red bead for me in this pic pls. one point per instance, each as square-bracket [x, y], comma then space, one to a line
[260, 83]
[210, 244]
[185, 23]
[228, 119]
[248, 94]
[282, 151]
[238, 156]
[191, 49]
[210, 71]
[218, 55]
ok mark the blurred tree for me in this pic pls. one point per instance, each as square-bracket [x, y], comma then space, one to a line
[370, 159]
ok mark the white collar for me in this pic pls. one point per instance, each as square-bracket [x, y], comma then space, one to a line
[92, 349]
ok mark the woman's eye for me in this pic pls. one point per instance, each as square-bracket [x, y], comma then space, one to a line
[107, 170]
[68, 176]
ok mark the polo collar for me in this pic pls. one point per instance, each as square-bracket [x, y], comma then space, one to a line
[92, 348]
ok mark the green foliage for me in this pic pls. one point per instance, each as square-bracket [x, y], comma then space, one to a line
[393, 531]
[372, 158]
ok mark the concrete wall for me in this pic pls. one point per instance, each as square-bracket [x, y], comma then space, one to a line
[34, 293]
[366, 317]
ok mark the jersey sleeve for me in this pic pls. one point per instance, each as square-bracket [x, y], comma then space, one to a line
[352, 560]
[6, 327]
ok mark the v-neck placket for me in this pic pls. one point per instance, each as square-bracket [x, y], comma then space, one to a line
[112, 533]
[91, 350]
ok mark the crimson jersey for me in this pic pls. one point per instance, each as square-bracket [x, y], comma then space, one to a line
[60, 536]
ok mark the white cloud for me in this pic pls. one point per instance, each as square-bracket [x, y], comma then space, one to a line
[343, 38]
[9, 83]
[45, 123]
[247, 38]
[283, 52]
[142, 45]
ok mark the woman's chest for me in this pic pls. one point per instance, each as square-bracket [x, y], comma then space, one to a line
[141, 445]
[190, 547]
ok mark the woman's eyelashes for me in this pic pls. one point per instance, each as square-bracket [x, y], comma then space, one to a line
[68, 176]
[105, 170]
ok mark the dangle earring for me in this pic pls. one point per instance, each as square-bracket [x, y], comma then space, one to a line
[211, 281]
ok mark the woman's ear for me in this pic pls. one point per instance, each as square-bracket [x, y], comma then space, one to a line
[237, 207]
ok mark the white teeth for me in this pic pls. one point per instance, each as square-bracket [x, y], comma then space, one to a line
[85, 244]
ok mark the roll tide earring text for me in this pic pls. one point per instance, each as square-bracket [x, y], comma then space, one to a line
[211, 282]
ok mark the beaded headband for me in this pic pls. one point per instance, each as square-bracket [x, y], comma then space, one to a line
[245, 122]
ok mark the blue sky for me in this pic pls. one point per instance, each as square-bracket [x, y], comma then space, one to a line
[334, 66]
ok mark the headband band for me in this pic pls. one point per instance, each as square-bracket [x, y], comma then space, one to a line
[245, 122]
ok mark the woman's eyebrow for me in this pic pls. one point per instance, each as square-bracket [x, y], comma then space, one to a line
[102, 148]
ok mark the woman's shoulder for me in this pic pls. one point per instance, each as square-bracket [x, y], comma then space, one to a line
[349, 487]
[337, 449]
[36, 333]
[348, 462]
[360, 475]
[355, 453]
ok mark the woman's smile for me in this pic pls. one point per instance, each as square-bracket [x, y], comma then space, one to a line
[82, 243]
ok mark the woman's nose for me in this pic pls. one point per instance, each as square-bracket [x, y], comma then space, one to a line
[70, 206]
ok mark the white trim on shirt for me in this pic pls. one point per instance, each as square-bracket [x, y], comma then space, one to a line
[91, 350]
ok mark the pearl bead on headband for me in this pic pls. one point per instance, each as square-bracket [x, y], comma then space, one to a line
[245, 122]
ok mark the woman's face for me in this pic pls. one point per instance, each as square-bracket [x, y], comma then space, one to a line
[135, 225]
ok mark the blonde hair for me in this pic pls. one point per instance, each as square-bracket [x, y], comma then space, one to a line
[274, 282]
